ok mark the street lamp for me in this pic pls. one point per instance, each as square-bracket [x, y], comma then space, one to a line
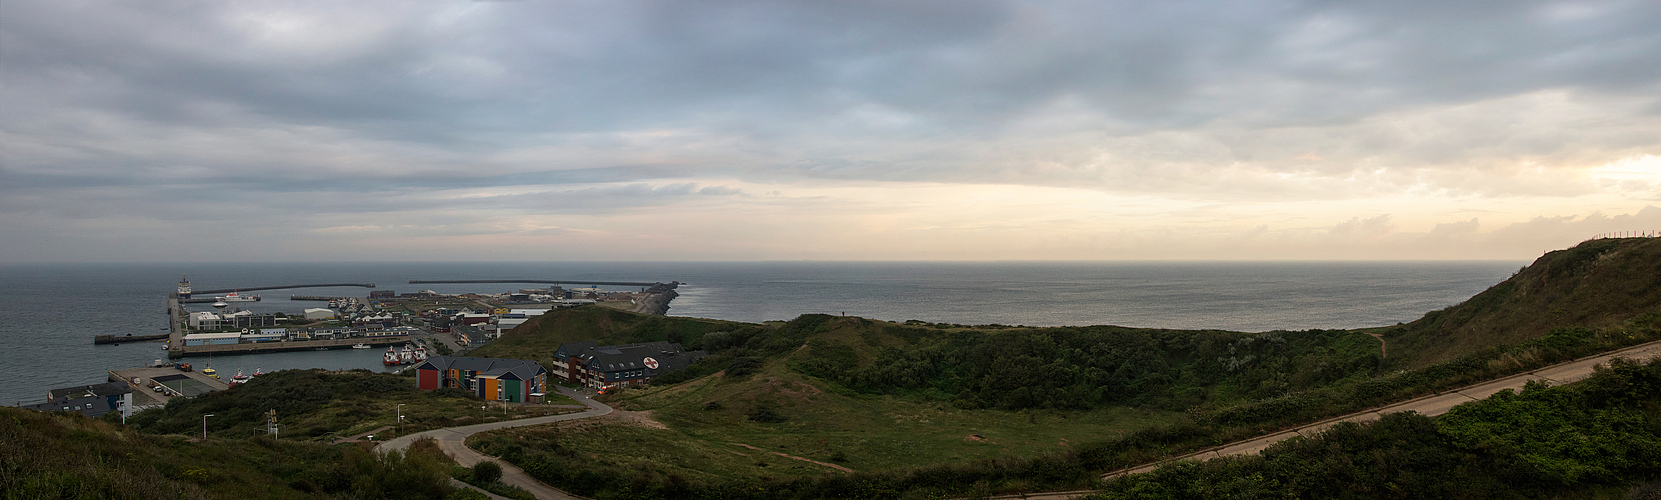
[205, 425]
[481, 412]
[400, 419]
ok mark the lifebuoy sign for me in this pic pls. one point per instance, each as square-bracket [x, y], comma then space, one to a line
[651, 363]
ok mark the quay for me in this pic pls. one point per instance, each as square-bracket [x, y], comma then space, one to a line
[670, 285]
[117, 339]
[315, 298]
[178, 351]
[143, 382]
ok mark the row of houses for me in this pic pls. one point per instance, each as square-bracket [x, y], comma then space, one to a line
[494, 379]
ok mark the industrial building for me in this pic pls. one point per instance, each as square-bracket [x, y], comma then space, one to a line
[494, 379]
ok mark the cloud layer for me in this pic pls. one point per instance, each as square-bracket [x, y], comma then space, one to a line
[824, 130]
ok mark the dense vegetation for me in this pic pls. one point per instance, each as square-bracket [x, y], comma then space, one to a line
[63, 455]
[1585, 438]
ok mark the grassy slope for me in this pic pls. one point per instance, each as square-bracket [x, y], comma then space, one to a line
[864, 432]
[1598, 284]
[69, 456]
[322, 405]
[538, 338]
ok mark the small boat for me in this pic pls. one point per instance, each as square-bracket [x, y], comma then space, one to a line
[390, 358]
[209, 372]
[258, 372]
[238, 379]
[360, 346]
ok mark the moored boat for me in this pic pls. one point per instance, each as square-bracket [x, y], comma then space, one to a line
[238, 379]
[360, 346]
[390, 358]
[235, 297]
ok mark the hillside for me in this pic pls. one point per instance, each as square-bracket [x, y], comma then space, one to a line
[1599, 284]
[62, 455]
[537, 338]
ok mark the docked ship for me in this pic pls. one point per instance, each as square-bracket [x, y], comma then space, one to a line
[235, 297]
[184, 287]
[238, 379]
[390, 358]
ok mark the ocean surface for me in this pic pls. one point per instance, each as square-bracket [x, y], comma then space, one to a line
[49, 313]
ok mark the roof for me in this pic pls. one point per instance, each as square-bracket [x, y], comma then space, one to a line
[667, 356]
[87, 391]
[485, 367]
[207, 336]
[569, 349]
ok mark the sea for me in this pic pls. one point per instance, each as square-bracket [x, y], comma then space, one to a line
[50, 312]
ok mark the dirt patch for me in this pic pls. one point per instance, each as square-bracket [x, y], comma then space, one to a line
[976, 438]
[640, 418]
[1062, 443]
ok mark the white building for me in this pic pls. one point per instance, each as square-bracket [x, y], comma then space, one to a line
[318, 313]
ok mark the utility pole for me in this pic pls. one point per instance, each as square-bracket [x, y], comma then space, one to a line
[205, 425]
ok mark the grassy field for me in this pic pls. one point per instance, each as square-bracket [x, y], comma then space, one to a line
[863, 433]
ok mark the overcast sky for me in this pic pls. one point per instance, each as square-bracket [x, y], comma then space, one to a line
[953, 130]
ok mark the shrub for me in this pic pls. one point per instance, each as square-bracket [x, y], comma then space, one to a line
[487, 472]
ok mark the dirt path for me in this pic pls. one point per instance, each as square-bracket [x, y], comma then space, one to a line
[453, 440]
[793, 457]
[360, 436]
[1382, 353]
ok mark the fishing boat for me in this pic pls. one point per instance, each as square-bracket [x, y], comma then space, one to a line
[360, 346]
[420, 354]
[238, 379]
[210, 372]
[406, 355]
[257, 372]
[390, 358]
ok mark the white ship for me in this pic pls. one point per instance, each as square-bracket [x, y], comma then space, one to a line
[234, 297]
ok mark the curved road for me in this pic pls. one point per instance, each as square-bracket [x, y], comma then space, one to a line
[453, 440]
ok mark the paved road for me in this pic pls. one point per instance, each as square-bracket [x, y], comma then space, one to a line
[453, 440]
[1430, 406]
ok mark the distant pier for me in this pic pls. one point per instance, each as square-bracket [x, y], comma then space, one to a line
[281, 287]
[117, 339]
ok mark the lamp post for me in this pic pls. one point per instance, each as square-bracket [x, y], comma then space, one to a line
[482, 409]
[205, 424]
[400, 419]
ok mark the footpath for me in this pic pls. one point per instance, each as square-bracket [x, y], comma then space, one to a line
[453, 440]
[1430, 406]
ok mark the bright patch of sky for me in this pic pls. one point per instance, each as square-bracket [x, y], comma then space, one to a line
[953, 130]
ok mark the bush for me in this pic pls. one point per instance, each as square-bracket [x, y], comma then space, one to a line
[487, 472]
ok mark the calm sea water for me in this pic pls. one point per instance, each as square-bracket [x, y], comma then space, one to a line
[49, 313]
